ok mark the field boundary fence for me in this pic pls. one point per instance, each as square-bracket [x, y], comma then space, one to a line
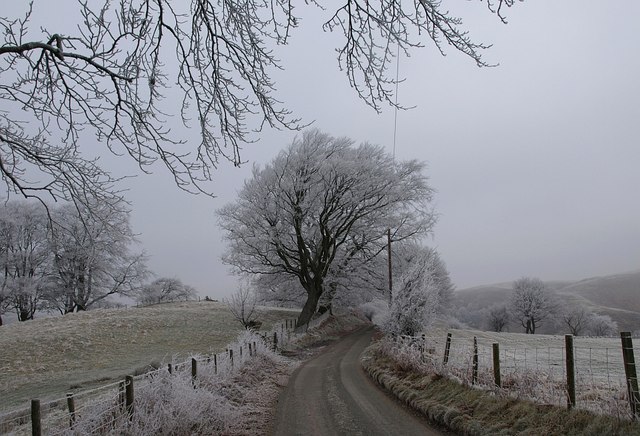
[595, 374]
[114, 402]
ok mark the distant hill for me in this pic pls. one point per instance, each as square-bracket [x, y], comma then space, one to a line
[616, 295]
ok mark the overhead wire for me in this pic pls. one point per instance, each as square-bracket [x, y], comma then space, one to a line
[395, 116]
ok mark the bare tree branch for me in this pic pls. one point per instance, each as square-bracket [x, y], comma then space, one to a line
[112, 77]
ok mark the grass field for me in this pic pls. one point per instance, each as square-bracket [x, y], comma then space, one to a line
[48, 357]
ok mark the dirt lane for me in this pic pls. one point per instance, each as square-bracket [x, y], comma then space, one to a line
[331, 395]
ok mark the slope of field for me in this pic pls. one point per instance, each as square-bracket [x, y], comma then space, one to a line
[618, 291]
[616, 295]
[48, 357]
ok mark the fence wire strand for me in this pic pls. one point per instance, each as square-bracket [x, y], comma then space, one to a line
[99, 410]
[537, 373]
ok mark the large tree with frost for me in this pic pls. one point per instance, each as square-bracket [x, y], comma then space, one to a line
[321, 205]
[72, 73]
[92, 256]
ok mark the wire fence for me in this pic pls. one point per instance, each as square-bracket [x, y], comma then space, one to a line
[103, 409]
[537, 368]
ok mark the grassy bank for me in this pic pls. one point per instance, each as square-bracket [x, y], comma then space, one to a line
[470, 411]
[50, 356]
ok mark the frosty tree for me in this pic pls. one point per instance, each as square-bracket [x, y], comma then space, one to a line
[406, 254]
[320, 207]
[92, 256]
[102, 74]
[498, 318]
[576, 318]
[531, 303]
[243, 306]
[24, 258]
[164, 290]
[422, 290]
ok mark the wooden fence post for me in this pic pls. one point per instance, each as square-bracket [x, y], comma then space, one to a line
[496, 365]
[215, 364]
[474, 375]
[240, 352]
[571, 371]
[630, 373]
[170, 368]
[122, 386]
[194, 370]
[231, 356]
[36, 423]
[447, 348]
[72, 409]
[275, 341]
[129, 396]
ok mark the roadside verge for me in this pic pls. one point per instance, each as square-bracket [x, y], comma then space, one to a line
[469, 411]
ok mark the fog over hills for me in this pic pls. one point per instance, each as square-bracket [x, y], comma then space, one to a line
[616, 295]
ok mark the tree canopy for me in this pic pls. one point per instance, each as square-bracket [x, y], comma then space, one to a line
[111, 75]
[320, 209]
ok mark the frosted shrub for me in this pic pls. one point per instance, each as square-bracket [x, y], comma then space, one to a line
[172, 406]
[224, 398]
[376, 311]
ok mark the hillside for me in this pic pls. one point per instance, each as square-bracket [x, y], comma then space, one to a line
[48, 357]
[616, 295]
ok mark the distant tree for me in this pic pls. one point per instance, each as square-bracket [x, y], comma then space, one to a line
[498, 318]
[321, 207]
[105, 72]
[24, 257]
[243, 304]
[531, 303]
[165, 290]
[577, 319]
[602, 325]
[471, 315]
[419, 295]
[92, 256]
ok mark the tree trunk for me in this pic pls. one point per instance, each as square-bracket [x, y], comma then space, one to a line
[23, 314]
[313, 296]
[0, 320]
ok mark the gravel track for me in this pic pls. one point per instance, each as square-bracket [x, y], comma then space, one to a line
[331, 395]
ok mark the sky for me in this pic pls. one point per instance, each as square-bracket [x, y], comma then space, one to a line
[536, 162]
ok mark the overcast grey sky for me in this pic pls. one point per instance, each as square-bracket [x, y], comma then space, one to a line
[536, 162]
